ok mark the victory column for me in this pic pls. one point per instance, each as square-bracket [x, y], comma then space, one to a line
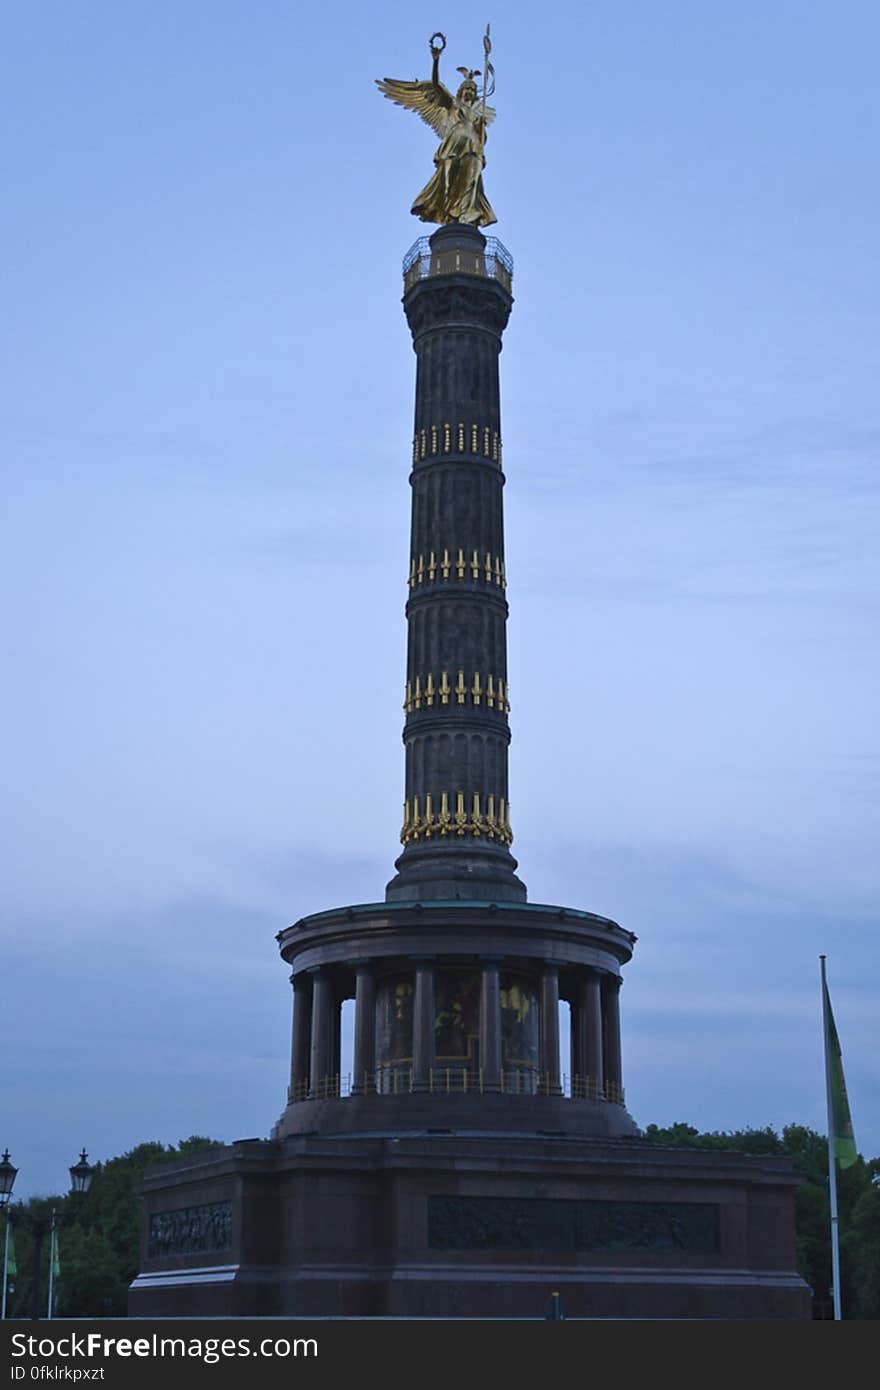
[461, 1167]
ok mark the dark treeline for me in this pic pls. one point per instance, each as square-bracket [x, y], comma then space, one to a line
[100, 1234]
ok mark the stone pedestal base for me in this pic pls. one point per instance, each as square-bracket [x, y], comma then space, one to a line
[468, 1225]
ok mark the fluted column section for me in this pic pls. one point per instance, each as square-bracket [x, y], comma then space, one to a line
[456, 828]
[364, 1061]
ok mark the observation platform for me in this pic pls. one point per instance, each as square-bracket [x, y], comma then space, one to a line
[457, 255]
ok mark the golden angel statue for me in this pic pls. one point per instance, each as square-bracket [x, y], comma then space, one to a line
[455, 193]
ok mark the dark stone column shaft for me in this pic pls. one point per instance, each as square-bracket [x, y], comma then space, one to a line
[611, 1036]
[591, 1010]
[364, 1060]
[301, 1038]
[550, 1029]
[336, 1037]
[423, 1026]
[490, 1026]
[577, 1039]
[322, 1026]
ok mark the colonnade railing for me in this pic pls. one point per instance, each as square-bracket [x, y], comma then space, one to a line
[401, 1080]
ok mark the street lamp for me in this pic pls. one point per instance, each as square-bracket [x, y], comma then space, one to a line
[81, 1174]
[7, 1180]
[80, 1182]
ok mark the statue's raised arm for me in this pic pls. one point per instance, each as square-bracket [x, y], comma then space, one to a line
[430, 100]
[455, 193]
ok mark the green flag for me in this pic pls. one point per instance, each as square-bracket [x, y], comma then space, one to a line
[839, 1119]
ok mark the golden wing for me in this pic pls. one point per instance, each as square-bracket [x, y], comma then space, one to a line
[431, 102]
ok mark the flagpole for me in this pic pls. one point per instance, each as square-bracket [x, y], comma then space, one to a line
[52, 1239]
[5, 1265]
[832, 1159]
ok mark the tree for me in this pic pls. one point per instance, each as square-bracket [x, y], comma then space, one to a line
[862, 1247]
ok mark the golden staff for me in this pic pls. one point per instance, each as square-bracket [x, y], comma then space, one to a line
[487, 68]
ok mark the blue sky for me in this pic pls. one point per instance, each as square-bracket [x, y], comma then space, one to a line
[205, 411]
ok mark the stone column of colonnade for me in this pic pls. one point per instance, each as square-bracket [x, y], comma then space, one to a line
[301, 1037]
[595, 1036]
[589, 1029]
[611, 1037]
[549, 1021]
[490, 1026]
[364, 1059]
[322, 1041]
[423, 1025]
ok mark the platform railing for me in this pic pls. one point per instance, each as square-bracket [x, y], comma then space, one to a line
[389, 1081]
[582, 1088]
[446, 1080]
[400, 1080]
[494, 262]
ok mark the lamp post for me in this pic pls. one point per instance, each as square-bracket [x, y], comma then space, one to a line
[7, 1180]
[80, 1180]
